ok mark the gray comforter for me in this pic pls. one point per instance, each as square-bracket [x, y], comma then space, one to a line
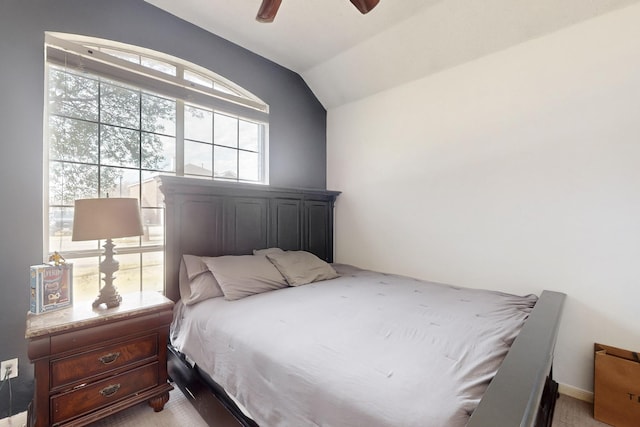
[366, 349]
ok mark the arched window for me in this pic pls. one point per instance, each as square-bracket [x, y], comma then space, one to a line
[116, 117]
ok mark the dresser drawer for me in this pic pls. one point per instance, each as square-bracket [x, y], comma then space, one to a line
[103, 393]
[85, 365]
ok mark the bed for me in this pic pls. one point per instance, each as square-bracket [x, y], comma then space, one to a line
[213, 219]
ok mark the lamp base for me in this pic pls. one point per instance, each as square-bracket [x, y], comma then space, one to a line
[109, 296]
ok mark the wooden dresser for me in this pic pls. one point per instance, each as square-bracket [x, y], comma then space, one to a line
[90, 363]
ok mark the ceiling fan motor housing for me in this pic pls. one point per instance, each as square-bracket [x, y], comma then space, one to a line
[269, 8]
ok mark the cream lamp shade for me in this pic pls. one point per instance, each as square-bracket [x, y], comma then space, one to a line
[110, 218]
[107, 218]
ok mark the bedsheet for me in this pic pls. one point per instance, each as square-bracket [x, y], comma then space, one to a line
[365, 349]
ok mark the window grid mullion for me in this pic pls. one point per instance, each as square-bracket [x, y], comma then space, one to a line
[140, 181]
[180, 106]
[238, 150]
[99, 137]
[213, 144]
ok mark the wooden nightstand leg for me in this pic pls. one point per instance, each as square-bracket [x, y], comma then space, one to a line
[157, 403]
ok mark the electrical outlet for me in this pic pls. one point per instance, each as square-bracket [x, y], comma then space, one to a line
[12, 365]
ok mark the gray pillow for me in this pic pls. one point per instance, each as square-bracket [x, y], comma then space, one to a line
[300, 267]
[267, 251]
[243, 275]
[196, 282]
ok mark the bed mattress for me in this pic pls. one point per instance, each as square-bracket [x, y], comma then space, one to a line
[365, 349]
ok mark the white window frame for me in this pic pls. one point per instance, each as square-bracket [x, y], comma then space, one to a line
[83, 53]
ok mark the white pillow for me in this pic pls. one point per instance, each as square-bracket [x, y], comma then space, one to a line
[196, 282]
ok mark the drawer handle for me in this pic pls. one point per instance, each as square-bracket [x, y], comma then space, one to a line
[110, 390]
[109, 358]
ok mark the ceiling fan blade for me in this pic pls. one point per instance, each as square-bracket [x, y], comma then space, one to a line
[365, 6]
[268, 10]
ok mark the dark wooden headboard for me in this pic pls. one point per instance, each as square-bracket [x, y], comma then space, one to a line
[213, 218]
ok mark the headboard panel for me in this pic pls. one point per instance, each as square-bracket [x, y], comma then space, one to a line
[212, 218]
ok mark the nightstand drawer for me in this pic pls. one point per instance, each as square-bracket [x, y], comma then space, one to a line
[97, 335]
[103, 393]
[84, 366]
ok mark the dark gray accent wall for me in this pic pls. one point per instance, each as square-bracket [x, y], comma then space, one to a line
[297, 132]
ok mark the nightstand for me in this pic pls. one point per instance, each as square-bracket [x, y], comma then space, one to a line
[90, 363]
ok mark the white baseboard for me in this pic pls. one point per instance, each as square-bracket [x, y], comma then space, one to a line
[575, 392]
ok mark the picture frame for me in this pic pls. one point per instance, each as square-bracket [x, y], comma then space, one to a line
[51, 287]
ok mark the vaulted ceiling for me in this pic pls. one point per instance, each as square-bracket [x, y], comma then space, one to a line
[345, 56]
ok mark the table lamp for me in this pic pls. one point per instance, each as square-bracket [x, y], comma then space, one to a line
[107, 218]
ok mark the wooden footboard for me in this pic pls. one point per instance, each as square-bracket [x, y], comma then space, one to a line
[523, 393]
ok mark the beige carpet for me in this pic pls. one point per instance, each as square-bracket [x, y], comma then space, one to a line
[178, 412]
[572, 412]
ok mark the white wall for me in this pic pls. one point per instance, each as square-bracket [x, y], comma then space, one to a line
[519, 171]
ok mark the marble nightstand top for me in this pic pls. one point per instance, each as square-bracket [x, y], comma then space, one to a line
[82, 314]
